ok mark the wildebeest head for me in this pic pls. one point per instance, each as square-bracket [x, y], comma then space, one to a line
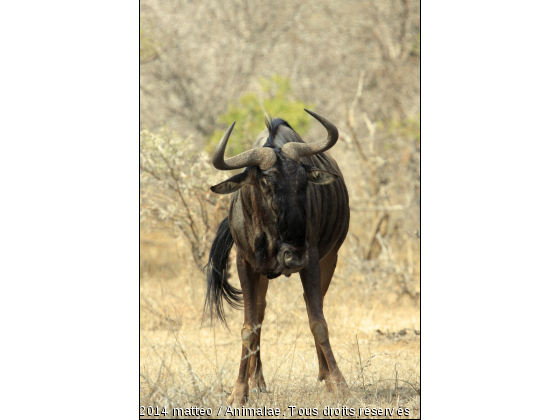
[280, 179]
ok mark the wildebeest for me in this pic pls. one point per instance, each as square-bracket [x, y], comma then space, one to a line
[289, 213]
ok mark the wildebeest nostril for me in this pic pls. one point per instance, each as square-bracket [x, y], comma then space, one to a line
[293, 261]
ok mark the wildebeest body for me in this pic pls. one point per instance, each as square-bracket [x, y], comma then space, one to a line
[327, 209]
[289, 213]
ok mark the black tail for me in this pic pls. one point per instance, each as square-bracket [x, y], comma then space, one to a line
[217, 274]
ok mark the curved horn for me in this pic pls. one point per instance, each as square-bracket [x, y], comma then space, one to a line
[300, 150]
[263, 157]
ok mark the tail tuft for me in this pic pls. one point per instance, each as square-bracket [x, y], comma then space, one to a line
[218, 287]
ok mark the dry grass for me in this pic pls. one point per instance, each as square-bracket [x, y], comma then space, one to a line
[375, 335]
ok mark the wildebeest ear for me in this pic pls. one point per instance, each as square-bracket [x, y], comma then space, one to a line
[318, 176]
[232, 184]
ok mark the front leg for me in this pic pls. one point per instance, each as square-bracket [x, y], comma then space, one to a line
[255, 370]
[311, 281]
[249, 286]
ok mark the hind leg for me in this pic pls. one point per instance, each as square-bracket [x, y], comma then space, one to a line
[255, 367]
[324, 373]
[327, 265]
[315, 285]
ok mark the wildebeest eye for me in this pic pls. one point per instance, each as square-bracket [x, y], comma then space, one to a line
[267, 186]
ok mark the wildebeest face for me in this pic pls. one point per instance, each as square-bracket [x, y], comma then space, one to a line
[283, 189]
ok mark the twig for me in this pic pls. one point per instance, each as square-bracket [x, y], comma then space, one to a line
[361, 368]
[371, 129]
[350, 123]
[369, 254]
[396, 378]
[397, 207]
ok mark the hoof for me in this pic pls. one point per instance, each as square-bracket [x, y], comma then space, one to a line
[329, 384]
[258, 385]
[239, 395]
[331, 387]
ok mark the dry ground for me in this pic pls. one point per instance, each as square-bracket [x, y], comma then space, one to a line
[375, 336]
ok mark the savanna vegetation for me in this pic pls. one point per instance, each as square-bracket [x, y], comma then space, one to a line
[207, 64]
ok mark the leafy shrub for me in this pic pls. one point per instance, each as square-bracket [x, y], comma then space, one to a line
[275, 97]
[175, 183]
[407, 128]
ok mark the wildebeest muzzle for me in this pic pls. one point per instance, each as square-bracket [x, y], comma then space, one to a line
[292, 258]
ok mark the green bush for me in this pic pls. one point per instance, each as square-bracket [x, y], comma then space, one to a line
[275, 97]
[407, 129]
